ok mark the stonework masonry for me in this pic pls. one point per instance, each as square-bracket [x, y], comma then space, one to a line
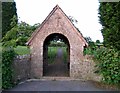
[56, 22]
[21, 67]
[86, 69]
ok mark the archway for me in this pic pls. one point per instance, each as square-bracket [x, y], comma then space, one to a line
[56, 24]
[56, 55]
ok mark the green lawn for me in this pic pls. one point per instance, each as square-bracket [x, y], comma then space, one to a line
[22, 50]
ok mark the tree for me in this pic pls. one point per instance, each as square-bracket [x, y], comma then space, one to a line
[110, 20]
[8, 12]
[108, 59]
[72, 19]
[98, 41]
[19, 34]
[88, 39]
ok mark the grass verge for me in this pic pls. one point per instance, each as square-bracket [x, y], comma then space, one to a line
[22, 50]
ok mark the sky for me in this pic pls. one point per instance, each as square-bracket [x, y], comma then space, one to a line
[84, 11]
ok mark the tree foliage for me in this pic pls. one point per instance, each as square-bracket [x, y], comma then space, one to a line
[74, 21]
[88, 39]
[109, 58]
[110, 20]
[91, 48]
[19, 34]
[8, 12]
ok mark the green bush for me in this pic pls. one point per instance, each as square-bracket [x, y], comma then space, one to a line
[90, 49]
[21, 40]
[7, 71]
[9, 43]
[108, 63]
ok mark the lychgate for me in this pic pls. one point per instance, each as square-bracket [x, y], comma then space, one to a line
[56, 24]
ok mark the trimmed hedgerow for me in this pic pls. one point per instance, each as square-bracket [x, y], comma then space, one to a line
[7, 70]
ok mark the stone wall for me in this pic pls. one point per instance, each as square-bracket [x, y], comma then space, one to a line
[21, 67]
[88, 69]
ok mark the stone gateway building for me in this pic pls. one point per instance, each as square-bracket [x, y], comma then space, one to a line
[56, 24]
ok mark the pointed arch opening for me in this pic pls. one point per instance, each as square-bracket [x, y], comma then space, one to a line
[56, 55]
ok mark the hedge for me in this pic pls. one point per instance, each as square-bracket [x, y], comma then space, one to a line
[7, 70]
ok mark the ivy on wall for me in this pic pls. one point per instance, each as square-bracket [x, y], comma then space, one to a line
[108, 63]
